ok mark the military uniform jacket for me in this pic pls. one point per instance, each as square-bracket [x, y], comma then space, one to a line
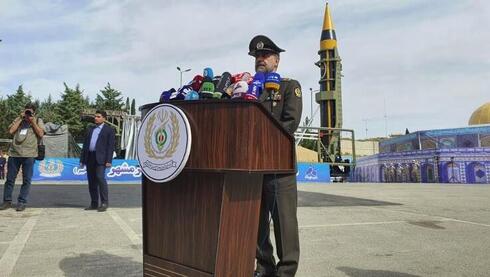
[286, 104]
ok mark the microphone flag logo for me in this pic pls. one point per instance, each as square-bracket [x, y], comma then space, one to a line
[164, 143]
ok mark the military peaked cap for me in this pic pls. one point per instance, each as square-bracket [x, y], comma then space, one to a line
[262, 43]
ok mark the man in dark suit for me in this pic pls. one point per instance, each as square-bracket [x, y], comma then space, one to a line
[97, 151]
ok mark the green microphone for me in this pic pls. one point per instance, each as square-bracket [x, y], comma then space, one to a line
[207, 90]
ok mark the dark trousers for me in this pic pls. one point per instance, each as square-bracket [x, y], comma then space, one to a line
[13, 166]
[2, 172]
[279, 198]
[97, 185]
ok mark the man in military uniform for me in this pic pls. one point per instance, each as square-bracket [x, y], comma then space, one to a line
[279, 191]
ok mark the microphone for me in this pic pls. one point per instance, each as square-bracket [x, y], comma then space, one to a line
[207, 89]
[228, 91]
[216, 93]
[239, 89]
[183, 91]
[221, 86]
[272, 81]
[257, 86]
[166, 95]
[192, 95]
[243, 76]
[196, 82]
[216, 80]
[208, 73]
[272, 85]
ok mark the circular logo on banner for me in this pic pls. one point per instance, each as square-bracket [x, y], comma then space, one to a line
[164, 143]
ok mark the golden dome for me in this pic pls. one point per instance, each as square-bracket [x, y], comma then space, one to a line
[481, 115]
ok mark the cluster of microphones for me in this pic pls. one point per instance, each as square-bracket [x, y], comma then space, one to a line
[225, 86]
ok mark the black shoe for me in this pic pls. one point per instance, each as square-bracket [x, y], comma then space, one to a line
[91, 207]
[20, 207]
[260, 274]
[6, 205]
[103, 207]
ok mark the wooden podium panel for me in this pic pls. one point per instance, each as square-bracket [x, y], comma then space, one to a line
[202, 223]
[236, 135]
[205, 222]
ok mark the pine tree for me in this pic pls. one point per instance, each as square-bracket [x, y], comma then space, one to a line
[133, 107]
[11, 108]
[70, 108]
[3, 120]
[47, 111]
[110, 99]
[127, 108]
[89, 103]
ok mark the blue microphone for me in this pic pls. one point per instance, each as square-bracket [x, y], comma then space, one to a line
[256, 87]
[166, 95]
[208, 73]
[192, 95]
[183, 91]
[272, 81]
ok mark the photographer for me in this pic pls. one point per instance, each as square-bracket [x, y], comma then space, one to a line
[27, 131]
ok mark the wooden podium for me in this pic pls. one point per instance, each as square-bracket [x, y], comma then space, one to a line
[205, 221]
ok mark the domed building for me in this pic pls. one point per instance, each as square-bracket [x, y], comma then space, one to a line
[458, 155]
[481, 115]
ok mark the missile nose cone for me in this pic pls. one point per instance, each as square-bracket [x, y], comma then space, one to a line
[328, 39]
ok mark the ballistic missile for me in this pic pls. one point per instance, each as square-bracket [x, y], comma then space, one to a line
[329, 96]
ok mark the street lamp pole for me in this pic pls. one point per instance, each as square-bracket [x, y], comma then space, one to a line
[181, 72]
[311, 104]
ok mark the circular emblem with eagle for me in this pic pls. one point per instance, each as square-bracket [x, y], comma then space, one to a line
[164, 143]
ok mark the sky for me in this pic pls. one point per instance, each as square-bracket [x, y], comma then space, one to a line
[406, 64]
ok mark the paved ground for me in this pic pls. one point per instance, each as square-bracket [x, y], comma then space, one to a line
[355, 230]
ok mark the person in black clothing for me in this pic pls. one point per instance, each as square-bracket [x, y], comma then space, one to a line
[97, 151]
[3, 161]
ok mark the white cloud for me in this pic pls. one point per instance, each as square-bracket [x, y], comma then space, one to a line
[427, 60]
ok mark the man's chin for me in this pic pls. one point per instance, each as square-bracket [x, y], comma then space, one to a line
[260, 68]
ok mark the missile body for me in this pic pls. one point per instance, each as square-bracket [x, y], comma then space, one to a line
[330, 95]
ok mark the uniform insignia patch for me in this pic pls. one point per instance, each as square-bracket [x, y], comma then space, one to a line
[297, 92]
[260, 45]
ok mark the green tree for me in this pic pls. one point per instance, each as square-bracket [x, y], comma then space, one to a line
[11, 108]
[110, 99]
[48, 111]
[69, 108]
[133, 107]
[3, 120]
[127, 108]
[90, 103]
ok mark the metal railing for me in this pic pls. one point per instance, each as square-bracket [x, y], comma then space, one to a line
[316, 133]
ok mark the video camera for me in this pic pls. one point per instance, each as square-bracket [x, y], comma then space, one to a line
[27, 113]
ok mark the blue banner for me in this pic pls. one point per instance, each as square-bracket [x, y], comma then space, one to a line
[313, 173]
[61, 169]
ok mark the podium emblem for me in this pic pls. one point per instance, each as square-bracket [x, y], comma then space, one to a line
[164, 143]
